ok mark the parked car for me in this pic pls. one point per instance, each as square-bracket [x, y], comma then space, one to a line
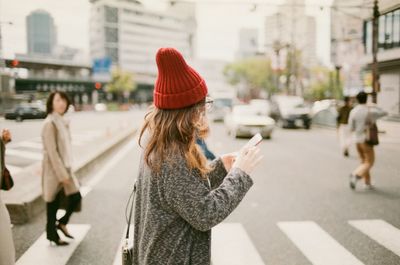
[293, 112]
[245, 121]
[100, 107]
[24, 112]
[261, 106]
[221, 107]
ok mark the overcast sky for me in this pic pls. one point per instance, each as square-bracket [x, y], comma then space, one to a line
[217, 28]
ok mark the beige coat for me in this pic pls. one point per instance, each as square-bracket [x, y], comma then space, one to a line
[53, 168]
[7, 249]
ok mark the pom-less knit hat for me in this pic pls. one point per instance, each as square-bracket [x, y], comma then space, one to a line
[178, 85]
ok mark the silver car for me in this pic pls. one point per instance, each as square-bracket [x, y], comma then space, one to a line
[246, 121]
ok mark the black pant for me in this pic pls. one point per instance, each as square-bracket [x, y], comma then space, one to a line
[52, 207]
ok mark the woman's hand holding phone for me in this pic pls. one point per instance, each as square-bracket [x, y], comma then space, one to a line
[248, 159]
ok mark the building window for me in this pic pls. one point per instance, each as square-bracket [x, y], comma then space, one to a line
[112, 53]
[111, 14]
[388, 32]
[396, 28]
[111, 34]
[381, 33]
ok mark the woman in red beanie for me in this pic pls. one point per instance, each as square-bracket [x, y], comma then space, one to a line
[179, 197]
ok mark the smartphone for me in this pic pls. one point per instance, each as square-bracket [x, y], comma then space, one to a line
[254, 141]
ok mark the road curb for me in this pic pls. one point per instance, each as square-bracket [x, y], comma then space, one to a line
[27, 201]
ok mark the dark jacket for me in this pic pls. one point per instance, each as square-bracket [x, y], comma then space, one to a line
[343, 115]
[175, 211]
[209, 155]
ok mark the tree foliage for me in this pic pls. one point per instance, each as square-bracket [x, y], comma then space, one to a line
[254, 73]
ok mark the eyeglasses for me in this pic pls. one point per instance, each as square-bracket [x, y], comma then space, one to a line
[209, 103]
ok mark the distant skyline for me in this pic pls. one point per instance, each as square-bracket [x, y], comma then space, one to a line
[218, 30]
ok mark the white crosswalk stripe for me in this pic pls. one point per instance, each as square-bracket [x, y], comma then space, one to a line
[232, 246]
[42, 253]
[382, 232]
[24, 154]
[13, 169]
[317, 245]
[30, 144]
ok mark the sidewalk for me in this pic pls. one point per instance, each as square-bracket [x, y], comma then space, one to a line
[390, 131]
[89, 148]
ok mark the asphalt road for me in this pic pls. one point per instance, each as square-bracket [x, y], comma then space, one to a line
[303, 179]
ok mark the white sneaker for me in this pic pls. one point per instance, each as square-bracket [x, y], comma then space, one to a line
[368, 187]
[353, 181]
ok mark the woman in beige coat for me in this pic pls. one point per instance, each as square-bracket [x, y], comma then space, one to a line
[7, 250]
[57, 177]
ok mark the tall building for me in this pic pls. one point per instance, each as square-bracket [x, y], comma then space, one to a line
[41, 33]
[388, 54]
[346, 44]
[248, 43]
[290, 26]
[130, 34]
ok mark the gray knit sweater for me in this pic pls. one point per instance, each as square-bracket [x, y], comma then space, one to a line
[175, 211]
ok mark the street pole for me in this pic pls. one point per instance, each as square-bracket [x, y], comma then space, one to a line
[375, 32]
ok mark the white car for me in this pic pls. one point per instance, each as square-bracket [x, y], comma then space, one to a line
[262, 106]
[100, 107]
[245, 121]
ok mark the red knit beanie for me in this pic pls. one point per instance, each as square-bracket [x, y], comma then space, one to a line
[178, 85]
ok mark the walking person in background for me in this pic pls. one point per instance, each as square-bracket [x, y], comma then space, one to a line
[203, 145]
[58, 180]
[7, 249]
[360, 117]
[179, 197]
[342, 126]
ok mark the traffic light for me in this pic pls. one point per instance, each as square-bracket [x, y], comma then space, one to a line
[97, 85]
[14, 63]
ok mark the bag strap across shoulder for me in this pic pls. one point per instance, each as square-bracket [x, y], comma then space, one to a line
[132, 201]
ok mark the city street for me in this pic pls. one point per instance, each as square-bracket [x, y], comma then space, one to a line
[299, 211]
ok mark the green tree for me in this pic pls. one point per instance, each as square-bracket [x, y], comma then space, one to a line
[294, 70]
[323, 85]
[255, 73]
[122, 84]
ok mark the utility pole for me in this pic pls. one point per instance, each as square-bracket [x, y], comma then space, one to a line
[374, 68]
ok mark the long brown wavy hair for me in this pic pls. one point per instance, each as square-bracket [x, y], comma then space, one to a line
[174, 132]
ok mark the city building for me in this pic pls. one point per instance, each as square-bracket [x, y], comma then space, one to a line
[41, 33]
[291, 27]
[346, 45]
[388, 54]
[130, 34]
[248, 43]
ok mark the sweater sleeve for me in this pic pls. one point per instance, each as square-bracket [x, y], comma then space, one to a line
[187, 194]
[217, 174]
[50, 145]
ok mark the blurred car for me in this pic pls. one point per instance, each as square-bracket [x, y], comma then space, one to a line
[24, 112]
[245, 121]
[293, 112]
[324, 112]
[100, 107]
[261, 106]
[221, 107]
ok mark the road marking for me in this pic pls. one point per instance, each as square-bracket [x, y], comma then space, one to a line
[107, 167]
[382, 232]
[232, 246]
[13, 169]
[118, 256]
[42, 253]
[30, 144]
[317, 245]
[24, 154]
